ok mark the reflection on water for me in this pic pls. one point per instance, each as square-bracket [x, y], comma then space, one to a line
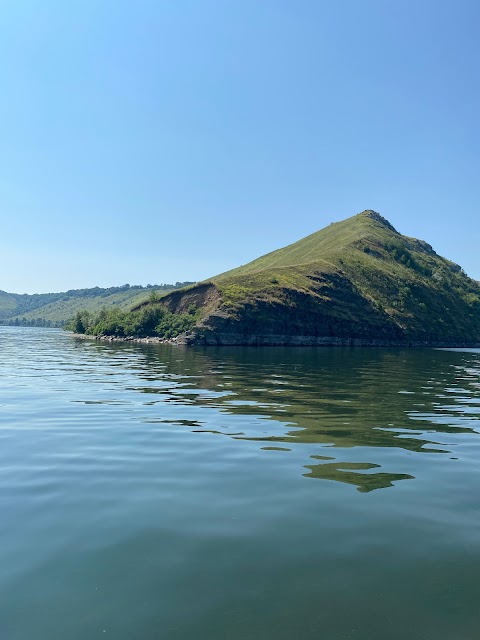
[348, 472]
[161, 492]
[360, 399]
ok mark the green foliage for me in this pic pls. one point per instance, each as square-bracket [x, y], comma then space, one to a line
[35, 322]
[233, 292]
[79, 323]
[149, 320]
[172, 325]
[54, 309]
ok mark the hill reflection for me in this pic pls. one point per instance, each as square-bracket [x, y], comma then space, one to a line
[353, 404]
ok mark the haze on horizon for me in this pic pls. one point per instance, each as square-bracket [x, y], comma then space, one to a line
[156, 142]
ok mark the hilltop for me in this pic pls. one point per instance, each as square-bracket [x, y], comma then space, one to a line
[358, 281]
[54, 309]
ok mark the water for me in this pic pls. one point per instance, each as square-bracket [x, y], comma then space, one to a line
[165, 493]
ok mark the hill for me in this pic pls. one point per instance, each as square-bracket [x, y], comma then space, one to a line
[55, 309]
[358, 281]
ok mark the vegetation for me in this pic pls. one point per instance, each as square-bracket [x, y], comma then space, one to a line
[35, 322]
[150, 320]
[54, 309]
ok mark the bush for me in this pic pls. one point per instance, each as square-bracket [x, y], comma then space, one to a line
[80, 323]
[151, 320]
[172, 325]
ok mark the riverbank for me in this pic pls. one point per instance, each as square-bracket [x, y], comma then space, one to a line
[282, 341]
[149, 340]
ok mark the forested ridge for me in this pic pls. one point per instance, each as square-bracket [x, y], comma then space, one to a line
[55, 309]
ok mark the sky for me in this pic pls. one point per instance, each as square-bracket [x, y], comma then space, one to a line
[160, 141]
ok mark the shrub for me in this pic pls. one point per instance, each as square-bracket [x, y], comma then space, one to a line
[151, 320]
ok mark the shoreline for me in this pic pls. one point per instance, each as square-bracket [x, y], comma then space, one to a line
[149, 340]
[282, 341]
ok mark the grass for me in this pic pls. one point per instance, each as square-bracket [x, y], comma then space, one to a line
[324, 245]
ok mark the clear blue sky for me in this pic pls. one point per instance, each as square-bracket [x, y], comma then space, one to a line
[155, 140]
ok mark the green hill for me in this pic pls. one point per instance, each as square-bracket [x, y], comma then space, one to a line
[54, 309]
[358, 281]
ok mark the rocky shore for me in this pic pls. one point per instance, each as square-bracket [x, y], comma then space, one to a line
[281, 341]
[149, 340]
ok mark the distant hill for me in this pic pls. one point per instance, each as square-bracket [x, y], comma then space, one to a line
[358, 281]
[54, 309]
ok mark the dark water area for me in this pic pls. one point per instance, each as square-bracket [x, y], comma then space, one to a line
[159, 492]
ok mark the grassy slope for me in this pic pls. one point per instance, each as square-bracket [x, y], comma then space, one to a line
[58, 308]
[326, 244]
[357, 278]
[8, 304]
[63, 310]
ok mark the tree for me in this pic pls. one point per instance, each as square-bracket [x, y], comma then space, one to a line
[154, 297]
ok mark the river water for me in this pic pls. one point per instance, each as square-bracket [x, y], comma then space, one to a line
[158, 492]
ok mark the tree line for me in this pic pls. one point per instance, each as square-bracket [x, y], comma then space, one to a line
[30, 322]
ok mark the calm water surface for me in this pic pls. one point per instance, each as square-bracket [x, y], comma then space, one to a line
[153, 492]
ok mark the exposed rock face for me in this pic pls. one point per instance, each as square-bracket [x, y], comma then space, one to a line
[204, 295]
[263, 340]
[369, 213]
[304, 321]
